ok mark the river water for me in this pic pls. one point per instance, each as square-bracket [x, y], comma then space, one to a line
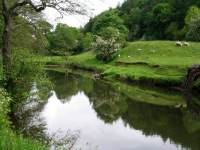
[109, 116]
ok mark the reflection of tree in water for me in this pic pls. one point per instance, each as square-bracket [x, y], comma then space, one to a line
[193, 102]
[160, 120]
[107, 102]
[67, 86]
[192, 115]
[178, 125]
[28, 121]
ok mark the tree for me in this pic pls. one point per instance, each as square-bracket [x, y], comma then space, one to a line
[31, 36]
[159, 19]
[106, 46]
[135, 20]
[194, 29]
[12, 9]
[109, 18]
[87, 40]
[192, 23]
[192, 13]
[64, 40]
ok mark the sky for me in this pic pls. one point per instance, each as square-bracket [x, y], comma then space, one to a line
[77, 21]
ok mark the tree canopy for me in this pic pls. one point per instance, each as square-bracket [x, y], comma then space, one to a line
[26, 9]
[149, 20]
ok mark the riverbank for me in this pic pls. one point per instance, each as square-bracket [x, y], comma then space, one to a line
[167, 65]
[10, 140]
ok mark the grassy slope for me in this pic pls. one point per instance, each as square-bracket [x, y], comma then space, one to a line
[169, 62]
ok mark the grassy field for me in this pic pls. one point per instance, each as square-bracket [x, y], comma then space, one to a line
[168, 65]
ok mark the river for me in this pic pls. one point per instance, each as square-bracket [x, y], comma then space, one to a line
[116, 116]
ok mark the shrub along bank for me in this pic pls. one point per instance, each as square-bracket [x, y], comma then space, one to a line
[10, 140]
[161, 63]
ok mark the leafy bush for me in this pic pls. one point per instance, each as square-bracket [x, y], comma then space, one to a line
[4, 108]
[105, 49]
[26, 70]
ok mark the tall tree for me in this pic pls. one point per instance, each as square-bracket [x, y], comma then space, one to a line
[192, 23]
[11, 9]
[159, 19]
[109, 18]
[63, 38]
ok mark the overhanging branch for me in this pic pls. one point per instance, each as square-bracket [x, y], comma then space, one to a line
[37, 8]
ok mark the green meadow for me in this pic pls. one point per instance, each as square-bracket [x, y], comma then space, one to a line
[167, 66]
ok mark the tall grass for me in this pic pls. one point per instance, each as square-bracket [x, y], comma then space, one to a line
[12, 141]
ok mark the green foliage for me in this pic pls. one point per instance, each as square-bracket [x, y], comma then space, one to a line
[27, 69]
[31, 36]
[79, 43]
[66, 39]
[62, 53]
[159, 18]
[192, 23]
[149, 20]
[192, 13]
[106, 48]
[63, 38]
[111, 32]
[135, 19]
[168, 65]
[88, 26]
[1, 27]
[109, 19]
[174, 33]
[87, 40]
[12, 141]
[4, 109]
[9, 139]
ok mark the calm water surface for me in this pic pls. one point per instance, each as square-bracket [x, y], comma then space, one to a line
[113, 117]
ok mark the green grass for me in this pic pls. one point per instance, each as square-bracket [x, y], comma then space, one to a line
[169, 63]
[12, 141]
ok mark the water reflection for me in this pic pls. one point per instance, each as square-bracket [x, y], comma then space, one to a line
[117, 117]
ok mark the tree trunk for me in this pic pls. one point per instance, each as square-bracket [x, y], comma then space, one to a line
[6, 47]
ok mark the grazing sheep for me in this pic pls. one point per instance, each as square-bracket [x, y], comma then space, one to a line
[139, 50]
[178, 43]
[177, 105]
[186, 43]
[119, 55]
[152, 51]
[129, 57]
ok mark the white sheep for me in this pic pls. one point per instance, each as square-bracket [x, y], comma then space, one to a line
[178, 43]
[152, 51]
[119, 55]
[129, 57]
[139, 49]
[186, 43]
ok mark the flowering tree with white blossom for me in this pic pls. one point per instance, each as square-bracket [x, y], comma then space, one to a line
[104, 48]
